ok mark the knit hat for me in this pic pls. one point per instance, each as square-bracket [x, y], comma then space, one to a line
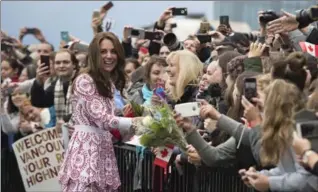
[236, 66]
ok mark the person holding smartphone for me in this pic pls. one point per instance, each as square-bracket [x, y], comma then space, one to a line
[58, 93]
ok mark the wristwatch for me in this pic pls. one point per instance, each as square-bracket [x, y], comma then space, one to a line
[306, 155]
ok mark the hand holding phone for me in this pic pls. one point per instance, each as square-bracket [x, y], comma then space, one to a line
[45, 59]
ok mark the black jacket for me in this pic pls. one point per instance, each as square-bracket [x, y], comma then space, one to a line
[44, 98]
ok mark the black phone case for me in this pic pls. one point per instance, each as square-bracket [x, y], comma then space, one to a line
[179, 11]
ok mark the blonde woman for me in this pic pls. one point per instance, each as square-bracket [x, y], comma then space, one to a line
[184, 68]
[272, 145]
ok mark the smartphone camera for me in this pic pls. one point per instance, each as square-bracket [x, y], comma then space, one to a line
[250, 89]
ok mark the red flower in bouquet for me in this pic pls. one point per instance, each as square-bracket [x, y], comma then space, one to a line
[116, 134]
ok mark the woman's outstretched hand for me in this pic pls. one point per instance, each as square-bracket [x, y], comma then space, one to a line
[208, 111]
[183, 122]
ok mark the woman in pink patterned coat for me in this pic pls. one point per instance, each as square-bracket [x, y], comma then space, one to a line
[90, 163]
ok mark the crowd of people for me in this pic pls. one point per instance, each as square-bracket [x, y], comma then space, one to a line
[88, 89]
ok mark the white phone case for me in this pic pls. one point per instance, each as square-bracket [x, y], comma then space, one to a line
[188, 109]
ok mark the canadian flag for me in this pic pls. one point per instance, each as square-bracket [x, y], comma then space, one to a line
[312, 49]
[163, 157]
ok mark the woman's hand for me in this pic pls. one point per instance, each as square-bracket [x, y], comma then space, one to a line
[25, 127]
[184, 123]
[208, 111]
[42, 73]
[259, 181]
[251, 112]
[156, 100]
[167, 14]
[256, 50]
[210, 125]
[244, 177]
[193, 156]
[286, 23]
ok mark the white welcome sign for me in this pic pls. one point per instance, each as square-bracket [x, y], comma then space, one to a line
[39, 157]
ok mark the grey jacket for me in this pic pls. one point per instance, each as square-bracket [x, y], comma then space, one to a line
[213, 156]
[288, 175]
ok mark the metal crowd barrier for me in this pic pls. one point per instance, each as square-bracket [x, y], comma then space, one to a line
[153, 179]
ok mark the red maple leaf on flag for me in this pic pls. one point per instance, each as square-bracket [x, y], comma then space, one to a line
[164, 153]
[310, 48]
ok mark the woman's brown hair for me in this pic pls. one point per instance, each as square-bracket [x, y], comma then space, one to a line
[152, 61]
[291, 69]
[281, 102]
[103, 80]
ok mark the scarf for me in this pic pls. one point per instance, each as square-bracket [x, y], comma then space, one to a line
[62, 107]
[146, 94]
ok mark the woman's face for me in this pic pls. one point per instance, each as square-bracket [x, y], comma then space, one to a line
[164, 52]
[6, 70]
[18, 99]
[203, 85]
[173, 71]
[129, 69]
[109, 55]
[191, 45]
[32, 113]
[23, 75]
[63, 65]
[157, 73]
[214, 73]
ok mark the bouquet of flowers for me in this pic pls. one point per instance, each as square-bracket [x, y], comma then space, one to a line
[160, 129]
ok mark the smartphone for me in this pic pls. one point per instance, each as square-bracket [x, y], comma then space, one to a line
[204, 27]
[203, 38]
[160, 92]
[139, 33]
[65, 36]
[96, 14]
[30, 30]
[108, 6]
[250, 88]
[179, 11]
[188, 109]
[46, 60]
[153, 35]
[224, 20]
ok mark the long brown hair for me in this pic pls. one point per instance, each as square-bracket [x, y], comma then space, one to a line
[281, 102]
[103, 79]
